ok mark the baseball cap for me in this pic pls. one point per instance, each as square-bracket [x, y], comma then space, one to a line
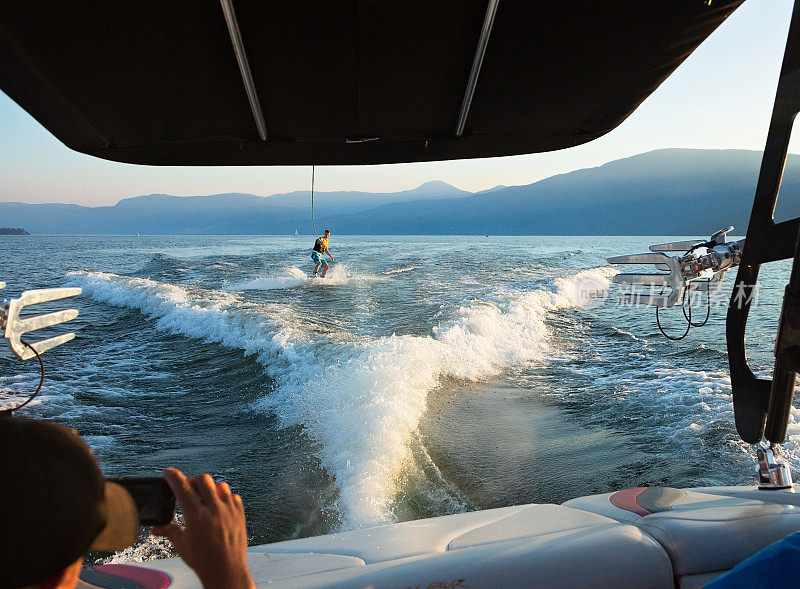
[55, 504]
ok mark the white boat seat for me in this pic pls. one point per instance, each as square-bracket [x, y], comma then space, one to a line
[704, 540]
[527, 546]
[705, 531]
[630, 505]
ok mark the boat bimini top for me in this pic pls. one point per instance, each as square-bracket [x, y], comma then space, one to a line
[247, 82]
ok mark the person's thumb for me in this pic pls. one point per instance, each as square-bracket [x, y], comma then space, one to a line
[173, 532]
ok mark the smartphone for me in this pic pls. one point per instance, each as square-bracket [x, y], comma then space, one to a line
[153, 497]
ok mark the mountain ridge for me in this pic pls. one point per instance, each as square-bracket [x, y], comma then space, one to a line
[670, 191]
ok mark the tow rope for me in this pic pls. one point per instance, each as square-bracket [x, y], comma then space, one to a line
[313, 224]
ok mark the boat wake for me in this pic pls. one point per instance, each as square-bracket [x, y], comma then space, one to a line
[360, 399]
[294, 277]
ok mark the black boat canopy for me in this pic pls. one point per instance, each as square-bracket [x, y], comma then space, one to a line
[346, 82]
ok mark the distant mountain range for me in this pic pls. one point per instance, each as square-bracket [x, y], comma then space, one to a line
[664, 192]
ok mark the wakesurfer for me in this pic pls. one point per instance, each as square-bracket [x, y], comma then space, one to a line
[321, 248]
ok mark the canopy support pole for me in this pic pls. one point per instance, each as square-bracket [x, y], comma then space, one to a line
[244, 67]
[477, 61]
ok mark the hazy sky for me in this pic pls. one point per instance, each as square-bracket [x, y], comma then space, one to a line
[721, 97]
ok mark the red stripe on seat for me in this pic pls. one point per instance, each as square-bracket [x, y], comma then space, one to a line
[148, 578]
[626, 499]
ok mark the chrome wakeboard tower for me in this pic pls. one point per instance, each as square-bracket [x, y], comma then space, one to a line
[762, 406]
[701, 268]
[14, 326]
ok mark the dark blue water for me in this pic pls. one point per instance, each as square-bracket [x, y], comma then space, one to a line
[423, 376]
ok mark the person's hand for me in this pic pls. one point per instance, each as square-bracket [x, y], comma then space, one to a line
[214, 540]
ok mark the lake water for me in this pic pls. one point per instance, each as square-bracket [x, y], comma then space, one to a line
[423, 376]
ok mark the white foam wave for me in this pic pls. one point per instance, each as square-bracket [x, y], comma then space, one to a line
[290, 278]
[17, 389]
[206, 315]
[686, 408]
[791, 448]
[365, 406]
[147, 547]
[398, 270]
[340, 274]
[630, 335]
[361, 400]
[293, 277]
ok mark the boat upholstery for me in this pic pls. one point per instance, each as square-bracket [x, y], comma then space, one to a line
[698, 581]
[534, 545]
[641, 504]
[705, 531]
[660, 537]
[716, 539]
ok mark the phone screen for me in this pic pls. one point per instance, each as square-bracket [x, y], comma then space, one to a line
[153, 497]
